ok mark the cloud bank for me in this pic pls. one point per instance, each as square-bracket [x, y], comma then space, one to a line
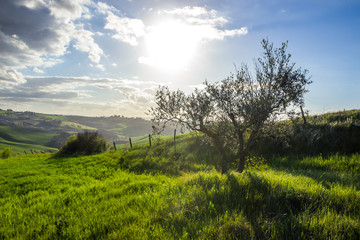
[37, 35]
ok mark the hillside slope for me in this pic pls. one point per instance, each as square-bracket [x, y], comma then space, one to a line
[29, 130]
[114, 127]
[157, 193]
[23, 131]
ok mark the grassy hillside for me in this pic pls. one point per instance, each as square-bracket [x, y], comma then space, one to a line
[29, 130]
[51, 131]
[25, 135]
[342, 117]
[114, 127]
[23, 131]
[20, 140]
[157, 193]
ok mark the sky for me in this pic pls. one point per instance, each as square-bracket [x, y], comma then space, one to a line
[108, 57]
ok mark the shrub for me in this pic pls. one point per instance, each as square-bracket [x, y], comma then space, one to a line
[86, 143]
[5, 153]
[310, 139]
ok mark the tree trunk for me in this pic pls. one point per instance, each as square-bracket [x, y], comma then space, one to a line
[241, 152]
[241, 164]
[223, 160]
[219, 144]
[223, 163]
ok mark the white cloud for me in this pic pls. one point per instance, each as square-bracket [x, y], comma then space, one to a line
[104, 8]
[206, 23]
[85, 43]
[11, 76]
[191, 12]
[69, 9]
[101, 67]
[134, 97]
[35, 69]
[127, 30]
[32, 4]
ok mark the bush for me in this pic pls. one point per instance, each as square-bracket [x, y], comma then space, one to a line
[312, 139]
[85, 143]
[5, 153]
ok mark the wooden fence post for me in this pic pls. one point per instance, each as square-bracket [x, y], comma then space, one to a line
[130, 142]
[114, 145]
[303, 115]
[150, 140]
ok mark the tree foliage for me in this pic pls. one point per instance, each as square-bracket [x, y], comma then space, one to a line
[238, 106]
[5, 153]
[85, 143]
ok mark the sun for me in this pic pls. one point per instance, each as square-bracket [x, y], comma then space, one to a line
[170, 46]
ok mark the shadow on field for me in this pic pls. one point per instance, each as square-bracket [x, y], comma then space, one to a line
[346, 175]
[262, 207]
[326, 179]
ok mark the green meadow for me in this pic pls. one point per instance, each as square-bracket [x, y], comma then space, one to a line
[20, 140]
[158, 192]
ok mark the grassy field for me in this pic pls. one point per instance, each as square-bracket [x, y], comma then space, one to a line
[25, 135]
[159, 193]
[113, 128]
[20, 140]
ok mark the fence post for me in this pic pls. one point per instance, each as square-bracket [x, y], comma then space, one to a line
[175, 139]
[150, 139]
[114, 145]
[130, 142]
[303, 115]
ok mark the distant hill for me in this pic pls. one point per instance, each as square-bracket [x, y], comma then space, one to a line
[25, 131]
[30, 130]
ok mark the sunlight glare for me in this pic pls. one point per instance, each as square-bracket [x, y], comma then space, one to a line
[171, 46]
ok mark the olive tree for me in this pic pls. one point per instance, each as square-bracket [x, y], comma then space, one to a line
[195, 112]
[241, 104]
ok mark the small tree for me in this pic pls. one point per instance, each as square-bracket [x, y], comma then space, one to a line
[5, 153]
[242, 103]
[85, 142]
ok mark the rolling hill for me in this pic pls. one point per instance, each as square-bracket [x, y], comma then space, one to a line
[44, 132]
[25, 131]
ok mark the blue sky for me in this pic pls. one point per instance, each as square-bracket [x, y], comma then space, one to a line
[100, 58]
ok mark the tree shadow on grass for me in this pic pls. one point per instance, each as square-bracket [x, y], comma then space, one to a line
[268, 213]
[322, 174]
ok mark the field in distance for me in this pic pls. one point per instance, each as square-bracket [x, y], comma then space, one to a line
[25, 131]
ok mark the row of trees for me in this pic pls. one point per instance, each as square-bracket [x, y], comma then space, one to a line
[234, 111]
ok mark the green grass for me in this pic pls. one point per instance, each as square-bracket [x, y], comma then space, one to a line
[22, 148]
[337, 118]
[77, 126]
[24, 140]
[157, 193]
[25, 135]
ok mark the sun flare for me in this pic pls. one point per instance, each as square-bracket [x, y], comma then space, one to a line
[170, 46]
